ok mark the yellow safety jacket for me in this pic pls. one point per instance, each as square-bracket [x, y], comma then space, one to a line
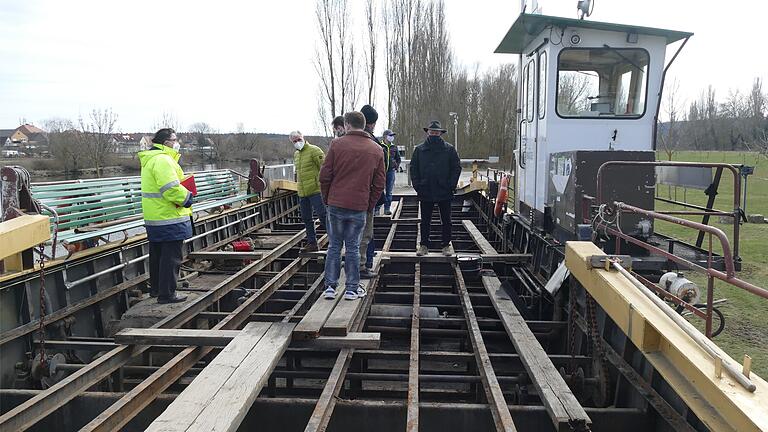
[165, 202]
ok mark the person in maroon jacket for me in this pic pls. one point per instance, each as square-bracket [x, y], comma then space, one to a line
[351, 180]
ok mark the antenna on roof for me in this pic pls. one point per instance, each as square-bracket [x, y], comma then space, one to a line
[585, 8]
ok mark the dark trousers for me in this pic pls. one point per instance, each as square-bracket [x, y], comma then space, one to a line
[164, 263]
[445, 219]
[306, 205]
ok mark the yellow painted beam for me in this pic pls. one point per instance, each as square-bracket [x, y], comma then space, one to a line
[721, 403]
[284, 185]
[474, 185]
[21, 233]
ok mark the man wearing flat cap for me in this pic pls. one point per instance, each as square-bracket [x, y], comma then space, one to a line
[435, 171]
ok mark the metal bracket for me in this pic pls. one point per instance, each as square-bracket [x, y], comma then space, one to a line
[605, 261]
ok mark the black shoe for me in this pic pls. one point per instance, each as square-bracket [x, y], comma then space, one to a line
[366, 273]
[311, 247]
[153, 295]
[175, 299]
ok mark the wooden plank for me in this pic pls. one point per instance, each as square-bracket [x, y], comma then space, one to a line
[222, 255]
[412, 414]
[486, 248]
[341, 318]
[183, 411]
[283, 185]
[309, 326]
[501, 416]
[234, 399]
[357, 340]
[562, 406]
[192, 337]
[434, 257]
[122, 411]
[321, 415]
[23, 232]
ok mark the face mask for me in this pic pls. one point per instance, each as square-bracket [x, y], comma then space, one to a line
[434, 139]
[390, 138]
[176, 146]
[298, 145]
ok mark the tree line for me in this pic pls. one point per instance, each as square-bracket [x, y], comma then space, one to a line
[89, 142]
[739, 122]
[407, 52]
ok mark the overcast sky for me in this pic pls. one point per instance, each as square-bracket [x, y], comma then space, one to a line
[228, 62]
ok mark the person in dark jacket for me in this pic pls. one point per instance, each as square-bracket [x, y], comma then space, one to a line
[338, 126]
[435, 171]
[351, 181]
[367, 246]
[391, 164]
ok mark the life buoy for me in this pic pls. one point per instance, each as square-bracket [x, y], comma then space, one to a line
[501, 196]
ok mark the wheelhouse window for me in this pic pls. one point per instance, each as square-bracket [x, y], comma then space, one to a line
[530, 90]
[602, 82]
[542, 84]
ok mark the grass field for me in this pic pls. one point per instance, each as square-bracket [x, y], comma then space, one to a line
[746, 314]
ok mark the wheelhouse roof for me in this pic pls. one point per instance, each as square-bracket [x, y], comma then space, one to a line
[528, 26]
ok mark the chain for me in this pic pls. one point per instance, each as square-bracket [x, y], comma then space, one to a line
[42, 305]
[572, 327]
[595, 334]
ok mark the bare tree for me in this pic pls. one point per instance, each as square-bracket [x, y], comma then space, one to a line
[325, 66]
[96, 136]
[372, 25]
[202, 132]
[63, 142]
[669, 133]
[166, 120]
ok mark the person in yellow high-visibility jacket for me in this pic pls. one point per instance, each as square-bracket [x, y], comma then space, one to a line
[167, 207]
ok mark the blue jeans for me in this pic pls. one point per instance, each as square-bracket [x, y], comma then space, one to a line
[388, 190]
[345, 227]
[306, 204]
[390, 186]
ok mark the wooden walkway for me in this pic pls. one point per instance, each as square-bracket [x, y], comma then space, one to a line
[221, 395]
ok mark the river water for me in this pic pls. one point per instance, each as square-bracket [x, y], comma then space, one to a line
[239, 166]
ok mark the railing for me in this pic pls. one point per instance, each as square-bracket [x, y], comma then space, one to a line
[708, 211]
[729, 276]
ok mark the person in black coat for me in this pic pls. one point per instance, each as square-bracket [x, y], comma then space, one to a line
[435, 170]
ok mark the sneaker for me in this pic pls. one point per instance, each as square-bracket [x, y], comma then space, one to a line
[366, 273]
[175, 299]
[329, 293]
[361, 292]
[350, 295]
[447, 250]
[387, 212]
[422, 250]
[311, 247]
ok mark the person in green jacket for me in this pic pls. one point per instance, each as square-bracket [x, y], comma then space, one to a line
[166, 206]
[307, 160]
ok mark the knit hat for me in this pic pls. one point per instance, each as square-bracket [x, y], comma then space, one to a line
[370, 114]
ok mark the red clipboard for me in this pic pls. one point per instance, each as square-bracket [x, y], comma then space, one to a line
[189, 184]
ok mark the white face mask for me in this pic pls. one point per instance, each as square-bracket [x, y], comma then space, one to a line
[390, 138]
[298, 145]
[176, 146]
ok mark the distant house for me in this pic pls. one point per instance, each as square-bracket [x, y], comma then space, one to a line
[5, 137]
[127, 145]
[145, 143]
[28, 133]
[30, 139]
